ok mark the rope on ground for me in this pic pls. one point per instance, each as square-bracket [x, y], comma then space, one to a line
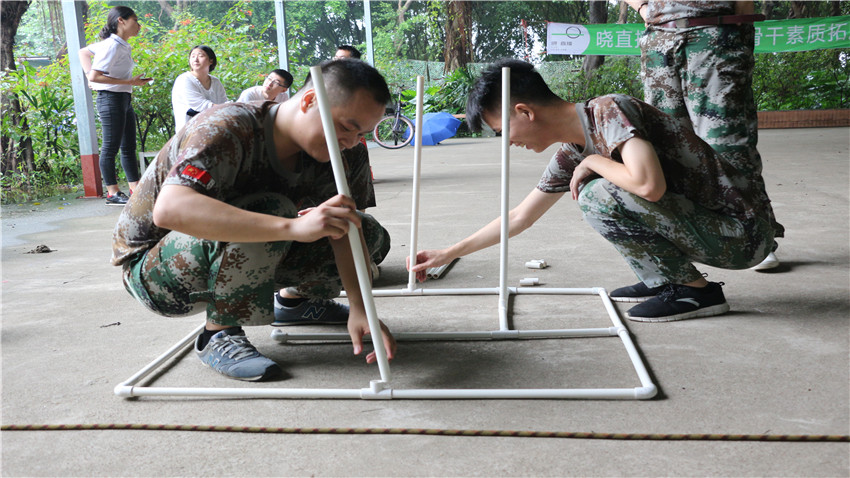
[434, 432]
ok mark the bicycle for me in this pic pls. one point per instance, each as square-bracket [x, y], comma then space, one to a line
[395, 130]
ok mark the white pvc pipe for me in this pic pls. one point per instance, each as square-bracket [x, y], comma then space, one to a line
[640, 393]
[362, 268]
[381, 390]
[283, 336]
[503, 244]
[122, 388]
[486, 291]
[417, 169]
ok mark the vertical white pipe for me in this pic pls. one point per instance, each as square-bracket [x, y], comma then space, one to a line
[360, 264]
[503, 245]
[417, 169]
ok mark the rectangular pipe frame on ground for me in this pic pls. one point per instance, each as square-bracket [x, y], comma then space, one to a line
[382, 389]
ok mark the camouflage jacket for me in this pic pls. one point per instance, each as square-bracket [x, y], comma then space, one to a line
[691, 168]
[663, 11]
[226, 153]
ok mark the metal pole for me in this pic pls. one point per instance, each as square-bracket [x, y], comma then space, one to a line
[367, 20]
[72, 13]
[280, 22]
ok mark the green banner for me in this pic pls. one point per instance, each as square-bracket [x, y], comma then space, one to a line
[771, 36]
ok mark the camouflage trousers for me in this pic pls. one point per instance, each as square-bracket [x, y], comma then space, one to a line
[661, 240]
[704, 76]
[235, 282]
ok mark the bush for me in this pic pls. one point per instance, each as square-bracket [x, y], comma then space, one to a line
[804, 80]
[49, 121]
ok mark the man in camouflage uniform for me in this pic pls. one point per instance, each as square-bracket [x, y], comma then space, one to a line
[242, 201]
[697, 64]
[645, 181]
[291, 304]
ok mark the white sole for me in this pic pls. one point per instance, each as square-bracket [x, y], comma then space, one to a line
[631, 299]
[704, 312]
[769, 262]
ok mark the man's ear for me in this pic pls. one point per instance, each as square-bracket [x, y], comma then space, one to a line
[308, 99]
[523, 109]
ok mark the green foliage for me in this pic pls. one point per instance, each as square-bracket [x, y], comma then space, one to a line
[802, 80]
[450, 95]
[243, 36]
[49, 121]
[617, 75]
[162, 53]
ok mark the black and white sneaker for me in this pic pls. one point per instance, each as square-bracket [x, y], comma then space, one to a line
[117, 199]
[312, 311]
[679, 302]
[635, 293]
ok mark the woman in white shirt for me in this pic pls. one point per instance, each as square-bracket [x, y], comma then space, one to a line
[111, 75]
[274, 88]
[196, 90]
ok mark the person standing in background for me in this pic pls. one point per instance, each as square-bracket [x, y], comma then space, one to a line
[697, 65]
[111, 75]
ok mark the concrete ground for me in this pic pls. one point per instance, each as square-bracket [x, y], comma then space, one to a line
[776, 364]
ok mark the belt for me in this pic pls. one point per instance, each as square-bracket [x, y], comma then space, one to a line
[707, 21]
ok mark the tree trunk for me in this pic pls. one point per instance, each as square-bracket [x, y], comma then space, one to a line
[598, 14]
[767, 9]
[458, 50]
[403, 6]
[835, 8]
[624, 12]
[798, 9]
[13, 152]
[57, 30]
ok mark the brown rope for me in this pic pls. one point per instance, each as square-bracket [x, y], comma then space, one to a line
[435, 432]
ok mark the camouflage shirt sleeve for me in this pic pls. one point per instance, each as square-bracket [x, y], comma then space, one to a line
[559, 172]
[212, 152]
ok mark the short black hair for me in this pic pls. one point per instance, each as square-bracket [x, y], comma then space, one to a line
[345, 77]
[355, 53]
[210, 54]
[287, 77]
[527, 86]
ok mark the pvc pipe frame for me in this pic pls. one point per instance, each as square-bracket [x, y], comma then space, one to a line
[381, 389]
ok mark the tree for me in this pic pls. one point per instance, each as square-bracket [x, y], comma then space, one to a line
[13, 150]
[598, 10]
[458, 51]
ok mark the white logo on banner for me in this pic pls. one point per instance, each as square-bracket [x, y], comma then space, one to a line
[566, 39]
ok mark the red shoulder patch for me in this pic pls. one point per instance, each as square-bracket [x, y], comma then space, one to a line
[196, 173]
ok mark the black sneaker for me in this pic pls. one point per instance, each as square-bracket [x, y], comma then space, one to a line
[117, 199]
[635, 293]
[313, 311]
[679, 302]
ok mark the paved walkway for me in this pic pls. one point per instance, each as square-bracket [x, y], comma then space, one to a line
[776, 364]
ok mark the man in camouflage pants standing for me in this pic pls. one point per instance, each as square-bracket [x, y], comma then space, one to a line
[241, 201]
[643, 179]
[697, 64]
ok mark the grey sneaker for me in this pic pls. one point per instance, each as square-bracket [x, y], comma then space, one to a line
[234, 357]
[313, 311]
[635, 293]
